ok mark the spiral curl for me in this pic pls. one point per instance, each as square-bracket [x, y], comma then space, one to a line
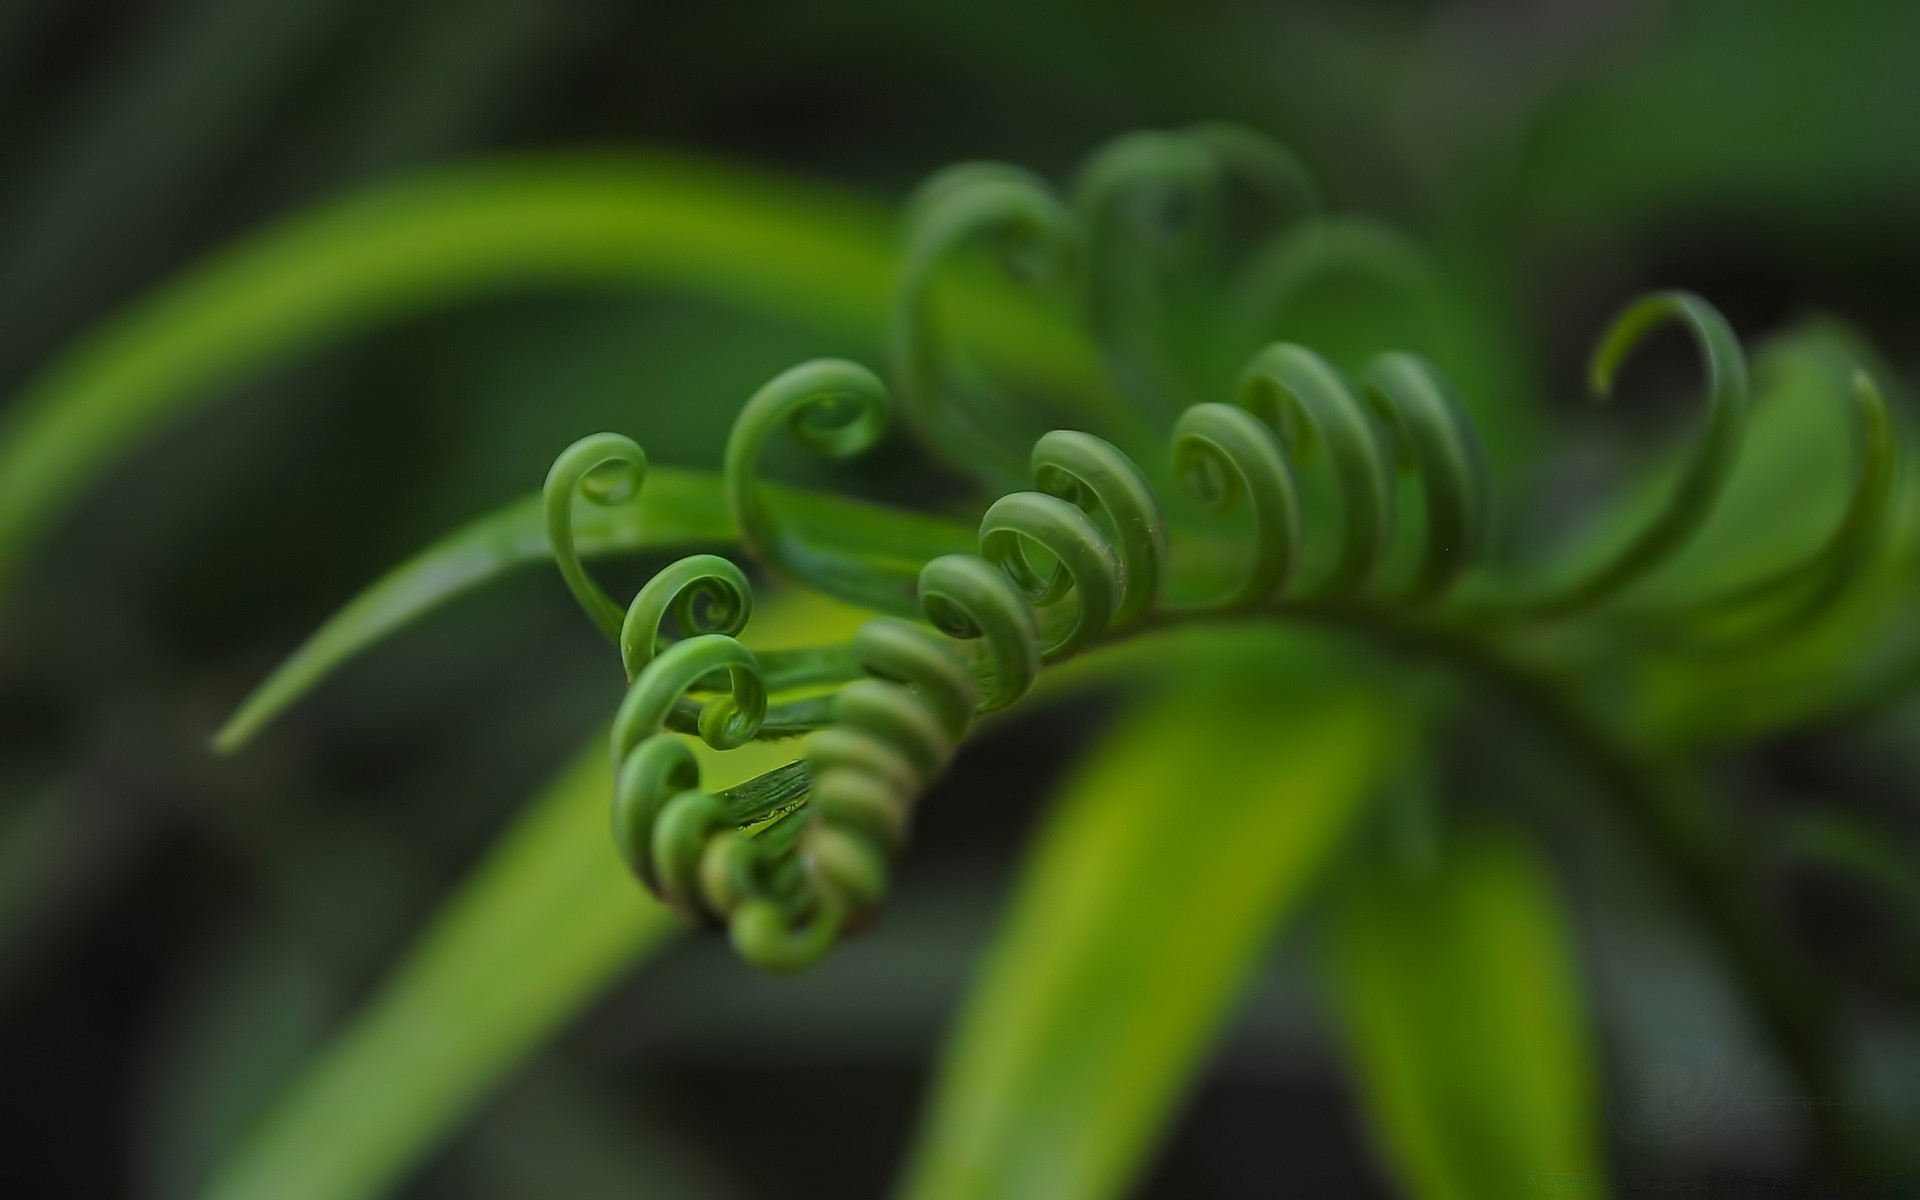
[966, 417]
[792, 859]
[786, 880]
[1144, 208]
[837, 409]
[604, 469]
[1079, 556]
[1707, 470]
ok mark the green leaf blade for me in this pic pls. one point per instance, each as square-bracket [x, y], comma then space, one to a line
[549, 920]
[1148, 900]
[554, 917]
[1462, 1004]
[458, 234]
[675, 510]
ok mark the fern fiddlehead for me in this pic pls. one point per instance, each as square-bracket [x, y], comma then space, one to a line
[605, 469]
[1706, 470]
[1079, 557]
[1155, 207]
[967, 418]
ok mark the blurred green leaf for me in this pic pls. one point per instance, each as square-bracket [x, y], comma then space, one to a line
[539, 928]
[547, 922]
[674, 509]
[1149, 900]
[454, 235]
[1461, 998]
[1744, 111]
[247, 1018]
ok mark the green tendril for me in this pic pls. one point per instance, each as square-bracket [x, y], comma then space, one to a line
[787, 890]
[1225, 454]
[1302, 398]
[790, 861]
[1344, 254]
[1705, 475]
[683, 839]
[1076, 559]
[930, 665]
[967, 598]
[1148, 190]
[1862, 529]
[1265, 167]
[1145, 200]
[960, 414]
[656, 771]
[835, 408]
[1154, 205]
[892, 734]
[1812, 586]
[704, 594]
[605, 469]
[1435, 439]
[932, 194]
[1107, 485]
[724, 722]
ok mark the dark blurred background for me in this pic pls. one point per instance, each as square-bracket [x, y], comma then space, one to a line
[176, 931]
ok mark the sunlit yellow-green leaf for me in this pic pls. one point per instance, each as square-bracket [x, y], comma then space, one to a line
[1461, 1001]
[1158, 883]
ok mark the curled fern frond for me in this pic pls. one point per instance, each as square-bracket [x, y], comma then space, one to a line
[835, 408]
[1436, 441]
[1826, 575]
[1154, 206]
[1271, 171]
[1107, 485]
[1800, 593]
[703, 594]
[785, 880]
[1225, 455]
[606, 469]
[1147, 208]
[970, 600]
[1074, 541]
[1304, 399]
[965, 416]
[661, 690]
[1705, 474]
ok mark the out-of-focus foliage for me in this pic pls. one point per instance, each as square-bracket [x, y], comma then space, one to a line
[537, 928]
[1462, 1004]
[207, 201]
[1101, 995]
[436, 242]
[506, 962]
